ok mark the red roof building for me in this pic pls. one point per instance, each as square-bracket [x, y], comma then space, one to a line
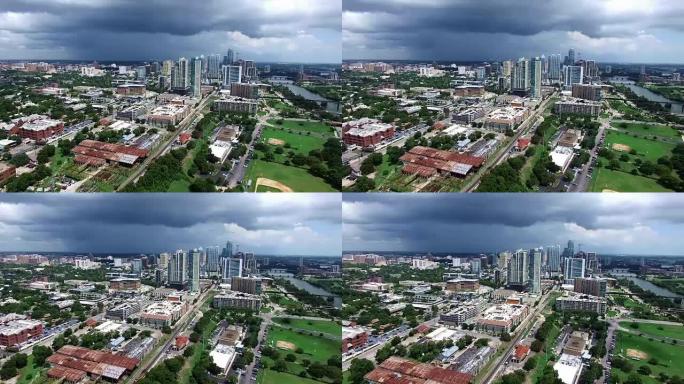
[426, 162]
[184, 138]
[181, 342]
[522, 144]
[397, 370]
[521, 352]
[97, 153]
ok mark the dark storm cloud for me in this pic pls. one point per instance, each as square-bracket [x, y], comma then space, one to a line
[122, 29]
[500, 221]
[298, 223]
[494, 29]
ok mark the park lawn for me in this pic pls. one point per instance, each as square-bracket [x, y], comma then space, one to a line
[268, 376]
[300, 180]
[299, 143]
[385, 170]
[622, 107]
[315, 348]
[668, 355]
[306, 126]
[619, 181]
[324, 326]
[646, 148]
[657, 330]
[182, 185]
[649, 129]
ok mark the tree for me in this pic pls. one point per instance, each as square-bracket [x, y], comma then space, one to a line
[530, 364]
[358, 369]
[364, 184]
[644, 370]
[40, 353]
[537, 346]
[505, 336]
[45, 154]
[367, 166]
[19, 160]
[189, 351]
[166, 330]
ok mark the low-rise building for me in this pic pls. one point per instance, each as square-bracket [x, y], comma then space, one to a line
[460, 315]
[14, 332]
[162, 313]
[353, 337]
[502, 318]
[463, 285]
[366, 132]
[230, 299]
[36, 127]
[168, 114]
[7, 172]
[426, 162]
[131, 89]
[397, 370]
[123, 311]
[502, 119]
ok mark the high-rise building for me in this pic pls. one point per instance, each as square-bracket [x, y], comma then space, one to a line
[231, 267]
[178, 269]
[180, 74]
[506, 67]
[213, 67]
[140, 73]
[502, 260]
[166, 67]
[571, 56]
[518, 270]
[196, 80]
[163, 260]
[213, 263]
[136, 267]
[535, 270]
[572, 74]
[231, 74]
[250, 264]
[194, 270]
[227, 250]
[574, 268]
[229, 58]
[591, 286]
[476, 266]
[251, 285]
[553, 254]
[555, 67]
[535, 77]
[520, 77]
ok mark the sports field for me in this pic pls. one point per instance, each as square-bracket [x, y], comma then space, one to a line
[299, 143]
[648, 129]
[657, 330]
[329, 327]
[305, 126]
[668, 356]
[646, 148]
[268, 376]
[298, 179]
[314, 348]
[605, 179]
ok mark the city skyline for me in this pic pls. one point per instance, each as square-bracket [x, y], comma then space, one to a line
[611, 224]
[611, 31]
[299, 31]
[297, 224]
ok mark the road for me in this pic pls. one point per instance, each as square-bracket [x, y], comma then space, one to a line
[178, 328]
[582, 180]
[525, 326]
[239, 169]
[189, 120]
[266, 321]
[526, 126]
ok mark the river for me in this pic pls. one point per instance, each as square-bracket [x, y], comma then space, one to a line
[332, 106]
[676, 107]
[648, 286]
[305, 285]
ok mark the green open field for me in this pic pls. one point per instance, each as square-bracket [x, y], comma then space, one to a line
[324, 326]
[298, 142]
[315, 348]
[619, 181]
[667, 355]
[306, 126]
[182, 185]
[268, 376]
[263, 188]
[296, 178]
[657, 330]
[646, 148]
[648, 129]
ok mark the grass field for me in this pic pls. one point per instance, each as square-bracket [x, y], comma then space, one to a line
[619, 181]
[267, 376]
[299, 143]
[648, 129]
[296, 178]
[329, 327]
[667, 355]
[263, 188]
[646, 148]
[306, 126]
[182, 185]
[314, 348]
[657, 330]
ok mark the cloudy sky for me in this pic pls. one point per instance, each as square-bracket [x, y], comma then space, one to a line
[605, 223]
[263, 30]
[275, 224]
[649, 31]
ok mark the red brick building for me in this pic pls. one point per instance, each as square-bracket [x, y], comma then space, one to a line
[353, 338]
[36, 127]
[19, 331]
[366, 132]
[7, 172]
[131, 89]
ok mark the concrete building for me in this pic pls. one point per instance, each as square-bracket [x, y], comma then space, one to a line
[460, 315]
[251, 285]
[572, 301]
[178, 269]
[578, 107]
[236, 104]
[518, 270]
[162, 313]
[229, 299]
[501, 318]
[587, 92]
[123, 311]
[591, 286]
[463, 285]
[231, 74]
[244, 90]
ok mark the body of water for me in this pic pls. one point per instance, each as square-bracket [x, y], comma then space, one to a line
[331, 106]
[648, 286]
[675, 106]
[301, 284]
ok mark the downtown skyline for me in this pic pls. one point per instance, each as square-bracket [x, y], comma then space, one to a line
[634, 224]
[297, 224]
[611, 31]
